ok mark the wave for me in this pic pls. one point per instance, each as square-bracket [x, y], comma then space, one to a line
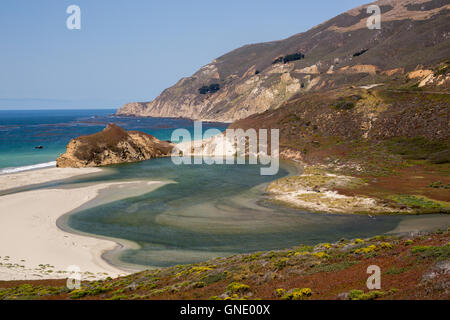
[27, 168]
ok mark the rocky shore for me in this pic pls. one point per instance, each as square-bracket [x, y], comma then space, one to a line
[113, 145]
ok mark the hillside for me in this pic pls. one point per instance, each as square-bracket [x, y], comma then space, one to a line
[412, 267]
[384, 149]
[334, 54]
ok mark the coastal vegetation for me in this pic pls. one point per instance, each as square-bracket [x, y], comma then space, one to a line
[413, 267]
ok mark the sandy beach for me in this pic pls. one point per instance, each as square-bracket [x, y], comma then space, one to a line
[31, 244]
[20, 179]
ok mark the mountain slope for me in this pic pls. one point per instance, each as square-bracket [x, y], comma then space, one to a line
[337, 53]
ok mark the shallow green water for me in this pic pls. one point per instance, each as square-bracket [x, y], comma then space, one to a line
[203, 212]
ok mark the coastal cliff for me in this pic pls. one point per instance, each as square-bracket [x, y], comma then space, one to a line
[335, 54]
[113, 145]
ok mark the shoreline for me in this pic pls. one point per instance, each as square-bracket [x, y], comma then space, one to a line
[134, 189]
[11, 181]
[33, 246]
[45, 245]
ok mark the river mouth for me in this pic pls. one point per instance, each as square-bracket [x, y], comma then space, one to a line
[165, 215]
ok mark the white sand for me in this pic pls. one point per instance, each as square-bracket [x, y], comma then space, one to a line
[33, 247]
[20, 179]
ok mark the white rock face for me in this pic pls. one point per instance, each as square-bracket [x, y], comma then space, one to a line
[223, 145]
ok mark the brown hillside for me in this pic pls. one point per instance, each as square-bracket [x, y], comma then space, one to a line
[110, 146]
[338, 52]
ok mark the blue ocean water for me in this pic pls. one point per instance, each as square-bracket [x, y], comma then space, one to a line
[23, 130]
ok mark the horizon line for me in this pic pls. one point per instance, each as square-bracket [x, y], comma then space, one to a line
[49, 108]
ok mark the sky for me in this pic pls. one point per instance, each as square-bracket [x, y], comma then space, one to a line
[131, 50]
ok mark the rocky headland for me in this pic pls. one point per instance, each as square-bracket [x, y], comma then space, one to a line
[113, 145]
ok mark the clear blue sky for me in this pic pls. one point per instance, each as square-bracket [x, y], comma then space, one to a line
[132, 50]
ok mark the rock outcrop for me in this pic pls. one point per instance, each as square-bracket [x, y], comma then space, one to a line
[113, 145]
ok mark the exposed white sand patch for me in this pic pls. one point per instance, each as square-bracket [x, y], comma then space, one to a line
[315, 192]
[325, 201]
[371, 86]
[33, 247]
[21, 179]
[28, 168]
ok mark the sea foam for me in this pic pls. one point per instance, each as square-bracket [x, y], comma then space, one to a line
[27, 168]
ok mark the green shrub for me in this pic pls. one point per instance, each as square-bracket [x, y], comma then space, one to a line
[395, 270]
[304, 249]
[368, 249]
[119, 297]
[199, 284]
[343, 105]
[416, 148]
[331, 267]
[298, 294]
[386, 245]
[416, 201]
[355, 294]
[28, 291]
[439, 185]
[280, 292]
[281, 263]
[441, 253]
[360, 295]
[321, 255]
[77, 294]
[252, 257]
[236, 287]
[216, 277]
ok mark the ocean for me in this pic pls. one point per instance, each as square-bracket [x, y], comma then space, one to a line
[21, 131]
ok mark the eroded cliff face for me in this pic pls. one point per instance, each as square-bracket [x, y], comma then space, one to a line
[113, 145]
[337, 53]
[239, 98]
